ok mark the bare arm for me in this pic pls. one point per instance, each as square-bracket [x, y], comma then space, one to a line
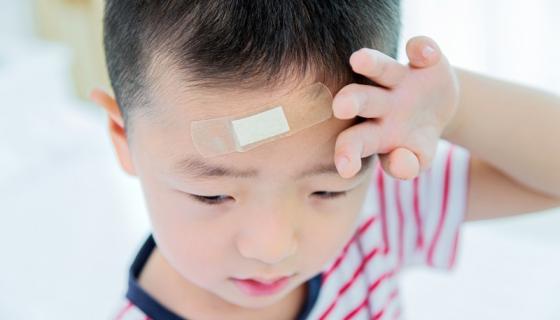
[513, 134]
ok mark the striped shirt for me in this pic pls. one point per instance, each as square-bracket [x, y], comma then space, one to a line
[402, 223]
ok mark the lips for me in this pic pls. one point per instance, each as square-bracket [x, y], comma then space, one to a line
[262, 286]
[267, 281]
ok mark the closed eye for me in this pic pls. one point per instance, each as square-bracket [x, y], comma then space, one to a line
[212, 200]
[220, 199]
[329, 194]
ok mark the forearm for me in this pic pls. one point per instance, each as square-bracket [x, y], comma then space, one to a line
[514, 128]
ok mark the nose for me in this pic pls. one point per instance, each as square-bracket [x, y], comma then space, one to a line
[269, 236]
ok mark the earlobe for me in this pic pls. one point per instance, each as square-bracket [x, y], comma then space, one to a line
[116, 128]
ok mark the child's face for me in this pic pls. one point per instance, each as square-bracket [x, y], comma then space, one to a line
[266, 225]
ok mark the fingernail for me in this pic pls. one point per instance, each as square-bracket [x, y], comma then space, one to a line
[428, 51]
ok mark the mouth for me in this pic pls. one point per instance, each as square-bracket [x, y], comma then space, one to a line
[262, 286]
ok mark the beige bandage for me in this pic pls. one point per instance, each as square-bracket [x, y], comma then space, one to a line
[285, 116]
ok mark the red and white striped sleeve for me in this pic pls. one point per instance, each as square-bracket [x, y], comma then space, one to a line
[422, 217]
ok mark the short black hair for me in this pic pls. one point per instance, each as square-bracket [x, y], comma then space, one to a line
[247, 43]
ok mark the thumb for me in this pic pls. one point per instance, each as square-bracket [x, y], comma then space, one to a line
[422, 52]
[400, 163]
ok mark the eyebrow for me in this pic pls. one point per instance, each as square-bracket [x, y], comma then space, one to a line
[195, 168]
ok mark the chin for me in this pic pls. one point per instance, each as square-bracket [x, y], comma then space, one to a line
[259, 302]
[251, 302]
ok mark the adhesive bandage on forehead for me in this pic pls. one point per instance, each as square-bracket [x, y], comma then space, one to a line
[285, 116]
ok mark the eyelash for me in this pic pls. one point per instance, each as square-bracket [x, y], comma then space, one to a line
[210, 200]
[216, 200]
[330, 194]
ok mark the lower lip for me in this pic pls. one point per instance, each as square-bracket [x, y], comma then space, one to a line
[255, 288]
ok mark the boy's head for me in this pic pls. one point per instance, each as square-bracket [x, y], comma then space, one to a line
[250, 214]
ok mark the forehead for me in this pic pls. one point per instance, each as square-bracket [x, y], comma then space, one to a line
[171, 92]
[168, 132]
[203, 103]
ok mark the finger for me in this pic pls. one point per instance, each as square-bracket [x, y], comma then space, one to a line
[378, 67]
[353, 144]
[424, 146]
[400, 163]
[361, 100]
[422, 52]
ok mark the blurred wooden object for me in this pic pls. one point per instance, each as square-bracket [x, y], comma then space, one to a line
[77, 23]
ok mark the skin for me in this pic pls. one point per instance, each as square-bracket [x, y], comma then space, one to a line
[509, 129]
[276, 225]
[269, 226]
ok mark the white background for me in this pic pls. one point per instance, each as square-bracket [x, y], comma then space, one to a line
[71, 221]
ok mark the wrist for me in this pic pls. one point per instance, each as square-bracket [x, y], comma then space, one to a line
[451, 130]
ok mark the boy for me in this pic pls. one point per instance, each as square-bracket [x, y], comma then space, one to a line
[307, 224]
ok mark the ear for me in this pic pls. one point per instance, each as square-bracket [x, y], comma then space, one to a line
[116, 128]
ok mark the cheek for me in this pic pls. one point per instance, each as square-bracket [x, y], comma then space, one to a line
[199, 251]
[193, 262]
[198, 246]
[328, 232]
